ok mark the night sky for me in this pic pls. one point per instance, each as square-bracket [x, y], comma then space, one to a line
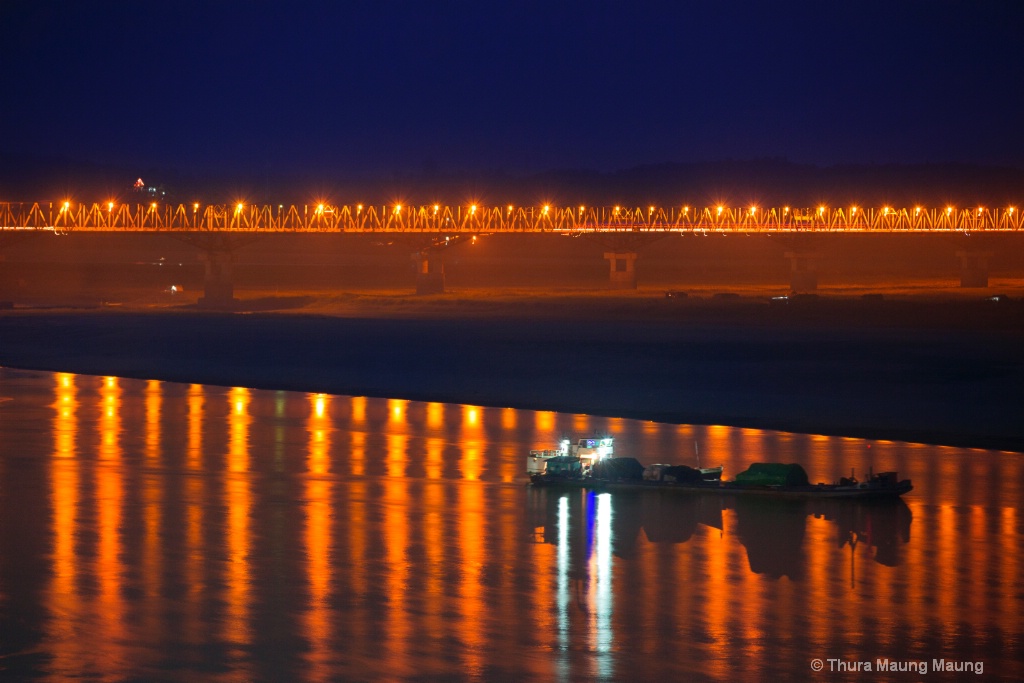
[383, 87]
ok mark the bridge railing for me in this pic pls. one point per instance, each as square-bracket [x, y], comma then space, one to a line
[436, 219]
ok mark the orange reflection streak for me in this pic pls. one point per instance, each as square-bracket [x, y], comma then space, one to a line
[154, 395]
[510, 462]
[110, 608]
[471, 602]
[822, 590]
[434, 464]
[880, 583]
[1009, 568]
[977, 518]
[66, 417]
[471, 419]
[319, 428]
[396, 413]
[110, 419]
[581, 425]
[318, 536]
[616, 425]
[358, 409]
[715, 604]
[152, 512]
[63, 597]
[508, 419]
[195, 494]
[544, 421]
[947, 556]
[472, 463]
[435, 415]
[238, 427]
[318, 570]
[239, 504]
[196, 400]
[398, 631]
[357, 453]
[396, 455]
[356, 524]
[434, 499]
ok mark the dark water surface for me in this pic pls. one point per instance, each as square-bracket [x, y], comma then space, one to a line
[151, 530]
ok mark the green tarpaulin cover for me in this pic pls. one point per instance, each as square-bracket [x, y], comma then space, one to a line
[618, 468]
[773, 474]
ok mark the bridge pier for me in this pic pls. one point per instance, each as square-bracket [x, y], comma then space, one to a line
[622, 269]
[803, 274]
[973, 267]
[429, 271]
[218, 286]
[218, 255]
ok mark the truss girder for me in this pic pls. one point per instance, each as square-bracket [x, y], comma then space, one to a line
[441, 220]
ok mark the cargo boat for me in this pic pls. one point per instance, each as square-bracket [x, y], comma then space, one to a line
[760, 479]
[583, 456]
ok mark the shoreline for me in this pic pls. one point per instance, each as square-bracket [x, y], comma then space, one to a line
[939, 371]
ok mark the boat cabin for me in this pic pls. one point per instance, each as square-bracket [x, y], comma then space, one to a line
[587, 451]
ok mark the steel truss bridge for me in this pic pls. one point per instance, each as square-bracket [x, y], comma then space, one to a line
[474, 219]
[219, 229]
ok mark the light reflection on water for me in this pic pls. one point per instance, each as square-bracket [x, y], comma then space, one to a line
[157, 530]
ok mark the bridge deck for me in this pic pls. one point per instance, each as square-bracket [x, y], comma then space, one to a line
[472, 219]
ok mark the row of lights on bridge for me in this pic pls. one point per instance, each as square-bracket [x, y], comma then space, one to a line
[321, 209]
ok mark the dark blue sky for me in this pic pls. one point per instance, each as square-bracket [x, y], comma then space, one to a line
[379, 86]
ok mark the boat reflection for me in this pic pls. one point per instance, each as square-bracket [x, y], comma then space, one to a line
[772, 531]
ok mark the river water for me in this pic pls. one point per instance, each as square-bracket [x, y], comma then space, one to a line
[160, 531]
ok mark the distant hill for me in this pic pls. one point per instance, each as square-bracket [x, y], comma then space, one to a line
[765, 182]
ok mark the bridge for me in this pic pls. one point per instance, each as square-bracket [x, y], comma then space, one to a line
[219, 229]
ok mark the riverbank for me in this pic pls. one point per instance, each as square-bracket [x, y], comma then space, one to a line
[925, 368]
